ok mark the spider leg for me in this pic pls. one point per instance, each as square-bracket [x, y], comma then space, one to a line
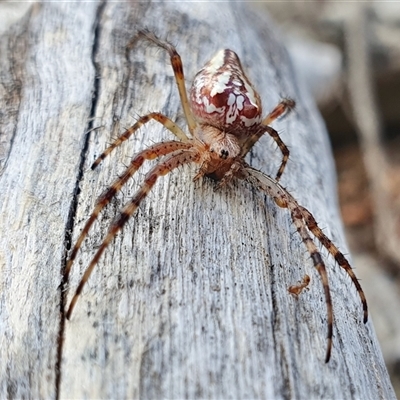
[285, 106]
[178, 72]
[303, 219]
[171, 162]
[162, 119]
[285, 151]
[339, 257]
[275, 135]
[154, 151]
[297, 218]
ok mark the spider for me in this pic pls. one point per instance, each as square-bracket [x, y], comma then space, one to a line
[224, 117]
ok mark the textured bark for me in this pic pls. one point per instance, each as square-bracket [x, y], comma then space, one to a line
[191, 299]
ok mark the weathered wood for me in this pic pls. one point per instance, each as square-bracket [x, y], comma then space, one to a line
[45, 107]
[191, 299]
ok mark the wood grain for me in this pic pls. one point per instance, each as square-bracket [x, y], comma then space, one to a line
[191, 299]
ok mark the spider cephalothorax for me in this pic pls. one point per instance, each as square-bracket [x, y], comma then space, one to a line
[224, 117]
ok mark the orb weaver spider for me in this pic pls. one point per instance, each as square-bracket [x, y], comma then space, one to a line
[224, 117]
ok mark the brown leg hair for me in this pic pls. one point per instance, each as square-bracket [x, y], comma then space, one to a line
[154, 151]
[319, 265]
[285, 106]
[304, 221]
[172, 161]
[285, 151]
[339, 257]
[177, 66]
[162, 119]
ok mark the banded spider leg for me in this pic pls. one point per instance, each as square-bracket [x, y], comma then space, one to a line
[305, 222]
[178, 154]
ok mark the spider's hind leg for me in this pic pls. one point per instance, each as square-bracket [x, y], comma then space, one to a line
[335, 252]
[316, 257]
[284, 200]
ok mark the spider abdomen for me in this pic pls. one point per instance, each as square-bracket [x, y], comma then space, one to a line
[222, 96]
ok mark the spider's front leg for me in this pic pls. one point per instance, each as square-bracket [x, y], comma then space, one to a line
[171, 162]
[177, 66]
[162, 119]
[154, 151]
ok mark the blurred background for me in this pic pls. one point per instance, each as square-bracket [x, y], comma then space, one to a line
[348, 55]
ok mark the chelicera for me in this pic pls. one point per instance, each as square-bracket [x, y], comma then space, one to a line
[224, 117]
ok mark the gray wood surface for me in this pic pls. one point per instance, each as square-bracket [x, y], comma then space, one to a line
[191, 299]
